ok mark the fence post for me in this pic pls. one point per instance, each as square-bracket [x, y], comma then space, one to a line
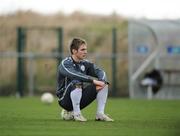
[114, 45]
[60, 44]
[31, 75]
[20, 61]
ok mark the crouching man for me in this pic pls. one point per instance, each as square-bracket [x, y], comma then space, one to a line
[80, 82]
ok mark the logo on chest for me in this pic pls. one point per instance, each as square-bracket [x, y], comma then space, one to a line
[82, 67]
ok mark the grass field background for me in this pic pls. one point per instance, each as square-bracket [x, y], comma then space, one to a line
[29, 117]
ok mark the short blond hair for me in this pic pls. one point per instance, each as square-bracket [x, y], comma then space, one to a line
[76, 43]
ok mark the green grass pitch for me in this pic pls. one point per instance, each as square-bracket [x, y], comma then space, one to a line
[29, 117]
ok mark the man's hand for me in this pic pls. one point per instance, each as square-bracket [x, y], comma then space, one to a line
[99, 84]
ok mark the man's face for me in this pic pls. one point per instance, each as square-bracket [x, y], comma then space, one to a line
[81, 53]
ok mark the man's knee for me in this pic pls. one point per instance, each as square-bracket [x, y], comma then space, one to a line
[105, 88]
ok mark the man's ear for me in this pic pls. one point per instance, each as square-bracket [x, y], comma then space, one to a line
[74, 51]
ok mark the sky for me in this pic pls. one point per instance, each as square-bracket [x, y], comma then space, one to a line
[150, 9]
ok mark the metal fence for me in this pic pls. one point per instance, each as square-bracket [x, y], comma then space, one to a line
[26, 56]
[29, 59]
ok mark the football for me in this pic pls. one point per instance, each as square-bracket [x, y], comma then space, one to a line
[47, 98]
